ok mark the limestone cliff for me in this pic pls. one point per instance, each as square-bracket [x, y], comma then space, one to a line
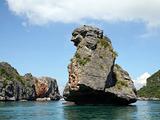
[93, 75]
[14, 87]
[152, 88]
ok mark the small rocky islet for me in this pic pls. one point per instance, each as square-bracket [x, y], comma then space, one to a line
[94, 78]
[14, 87]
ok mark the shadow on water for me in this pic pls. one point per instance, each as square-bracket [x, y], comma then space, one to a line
[141, 110]
[100, 112]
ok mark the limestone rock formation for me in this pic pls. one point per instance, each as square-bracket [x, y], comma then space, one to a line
[15, 87]
[47, 87]
[93, 75]
[152, 89]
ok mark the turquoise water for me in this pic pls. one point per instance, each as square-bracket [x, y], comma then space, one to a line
[141, 110]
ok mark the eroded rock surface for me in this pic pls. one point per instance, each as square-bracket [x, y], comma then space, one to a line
[14, 87]
[93, 75]
[47, 87]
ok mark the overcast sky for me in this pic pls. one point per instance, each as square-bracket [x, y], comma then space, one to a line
[35, 34]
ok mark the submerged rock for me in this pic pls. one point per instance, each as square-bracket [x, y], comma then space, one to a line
[93, 75]
[14, 87]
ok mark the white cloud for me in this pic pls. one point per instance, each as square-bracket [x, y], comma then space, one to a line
[141, 80]
[150, 33]
[41, 12]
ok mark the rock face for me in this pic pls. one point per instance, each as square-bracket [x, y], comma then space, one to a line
[93, 75]
[152, 89]
[14, 87]
[47, 87]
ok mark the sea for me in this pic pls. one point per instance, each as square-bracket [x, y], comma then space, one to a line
[57, 110]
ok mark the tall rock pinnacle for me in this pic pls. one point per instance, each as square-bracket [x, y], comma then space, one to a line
[93, 75]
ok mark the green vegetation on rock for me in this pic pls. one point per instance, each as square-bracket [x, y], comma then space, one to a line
[117, 66]
[104, 42]
[6, 77]
[77, 56]
[82, 61]
[115, 54]
[21, 80]
[152, 89]
[10, 74]
[3, 72]
[121, 83]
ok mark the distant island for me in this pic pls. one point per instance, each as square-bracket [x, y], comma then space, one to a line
[14, 87]
[152, 89]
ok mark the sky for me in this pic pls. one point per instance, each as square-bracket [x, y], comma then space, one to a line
[35, 34]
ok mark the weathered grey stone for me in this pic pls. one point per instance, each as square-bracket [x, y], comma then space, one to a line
[93, 76]
[124, 87]
[89, 33]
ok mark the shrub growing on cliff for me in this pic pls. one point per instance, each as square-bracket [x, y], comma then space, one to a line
[82, 61]
[77, 56]
[106, 44]
[120, 84]
[2, 71]
[103, 42]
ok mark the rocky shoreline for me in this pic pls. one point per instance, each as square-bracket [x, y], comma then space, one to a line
[148, 99]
